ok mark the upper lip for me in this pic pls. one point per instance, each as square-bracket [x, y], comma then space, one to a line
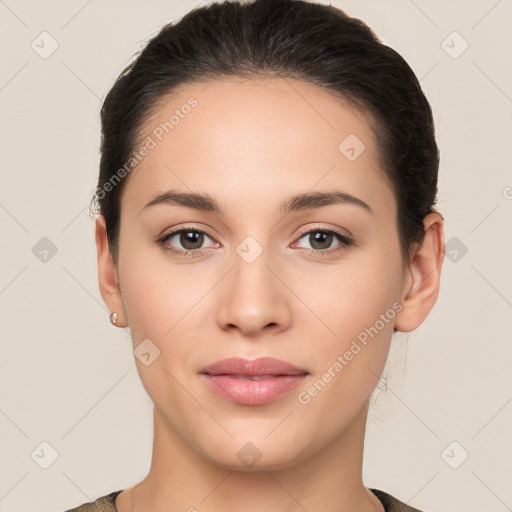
[245, 367]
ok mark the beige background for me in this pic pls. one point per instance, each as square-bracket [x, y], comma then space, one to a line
[68, 378]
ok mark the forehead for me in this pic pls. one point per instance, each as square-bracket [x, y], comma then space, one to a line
[255, 111]
[255, 136]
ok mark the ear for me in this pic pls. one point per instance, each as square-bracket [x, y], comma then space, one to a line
[108, 275]
[421, 286]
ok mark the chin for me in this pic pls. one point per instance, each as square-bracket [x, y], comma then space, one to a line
[246, 455]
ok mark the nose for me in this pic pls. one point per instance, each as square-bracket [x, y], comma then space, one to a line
[253, 298]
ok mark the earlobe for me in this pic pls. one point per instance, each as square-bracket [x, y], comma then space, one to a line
[421, 288]
[108, 278]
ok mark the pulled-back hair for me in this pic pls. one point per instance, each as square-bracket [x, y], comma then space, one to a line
[315, 43]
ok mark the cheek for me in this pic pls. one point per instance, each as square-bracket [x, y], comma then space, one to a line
[357, 304]
[157, 294]
[159, 300]
[165, 301]
[350, 296]
[358, 308]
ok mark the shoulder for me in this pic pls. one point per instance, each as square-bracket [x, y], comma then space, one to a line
[391, 504]
[102, 504]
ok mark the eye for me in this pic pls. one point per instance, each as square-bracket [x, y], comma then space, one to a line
[185, 241]
[321, 241]
[189, 241]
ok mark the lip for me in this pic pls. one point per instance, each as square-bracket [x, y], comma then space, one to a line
[265, 379]
[254, 367]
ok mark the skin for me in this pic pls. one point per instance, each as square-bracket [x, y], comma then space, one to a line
[252, 144]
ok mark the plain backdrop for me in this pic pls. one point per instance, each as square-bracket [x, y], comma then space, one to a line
[438, 433]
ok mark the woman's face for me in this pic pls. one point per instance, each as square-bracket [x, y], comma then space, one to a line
[255, 273]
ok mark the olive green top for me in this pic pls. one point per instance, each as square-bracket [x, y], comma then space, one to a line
[107, 503]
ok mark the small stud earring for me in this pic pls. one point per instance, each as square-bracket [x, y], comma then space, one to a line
[113, 318]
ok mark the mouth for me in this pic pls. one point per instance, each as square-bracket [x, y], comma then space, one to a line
[255, 382]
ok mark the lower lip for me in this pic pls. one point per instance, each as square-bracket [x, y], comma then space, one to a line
[252, 392]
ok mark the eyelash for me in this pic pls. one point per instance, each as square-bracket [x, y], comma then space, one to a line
[345, 242]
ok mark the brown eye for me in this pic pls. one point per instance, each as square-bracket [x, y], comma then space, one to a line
[321, 240]
[185, 241]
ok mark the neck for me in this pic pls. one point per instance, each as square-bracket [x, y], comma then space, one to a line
[329, 479]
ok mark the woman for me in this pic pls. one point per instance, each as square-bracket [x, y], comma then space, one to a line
[267, 221]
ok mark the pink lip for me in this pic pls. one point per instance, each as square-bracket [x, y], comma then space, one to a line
[221, 377]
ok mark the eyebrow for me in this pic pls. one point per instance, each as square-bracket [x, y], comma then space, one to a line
[299, 202]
